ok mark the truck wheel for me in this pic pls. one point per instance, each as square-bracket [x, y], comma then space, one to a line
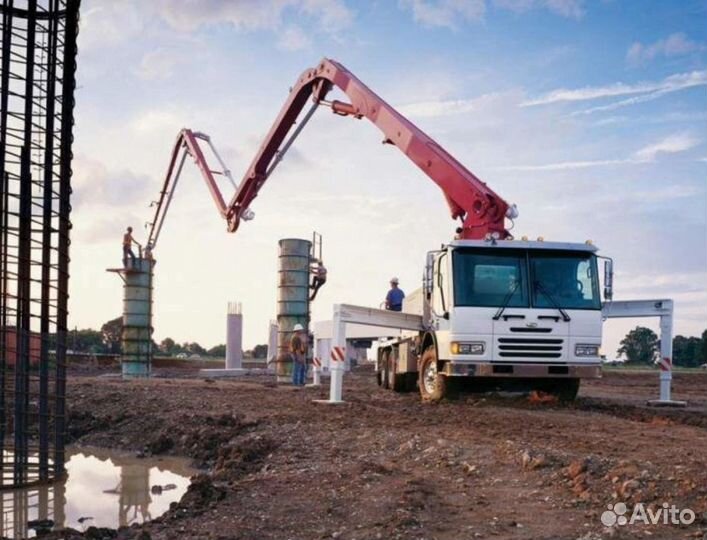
[397, 381]
[566, 390]
[384, 369]
[433, 385]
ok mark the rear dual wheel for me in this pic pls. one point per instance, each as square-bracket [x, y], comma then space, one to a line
[389, 378]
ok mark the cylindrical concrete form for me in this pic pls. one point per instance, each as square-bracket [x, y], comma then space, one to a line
[137, 319]
[234, 336]
[292, 298]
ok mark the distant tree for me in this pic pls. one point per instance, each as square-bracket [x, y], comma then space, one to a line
[219, 351]
[194, 348]
[87, 341]
[260, 351]
[111, 332]
[703, 356]
[687, 351]
[640, 346]
[167, 346]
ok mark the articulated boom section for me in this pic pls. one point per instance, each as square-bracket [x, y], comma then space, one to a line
[187, 144]
[481, 210]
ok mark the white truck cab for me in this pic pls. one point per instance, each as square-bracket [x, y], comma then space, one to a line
[523, 312]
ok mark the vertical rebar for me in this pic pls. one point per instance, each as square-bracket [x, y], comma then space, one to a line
[37, 70]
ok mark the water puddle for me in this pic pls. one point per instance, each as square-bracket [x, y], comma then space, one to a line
[103, 488]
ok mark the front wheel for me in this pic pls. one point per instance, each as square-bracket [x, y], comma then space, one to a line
[564, 389]
[433, 385]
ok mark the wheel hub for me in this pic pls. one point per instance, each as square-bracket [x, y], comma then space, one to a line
[430, 378]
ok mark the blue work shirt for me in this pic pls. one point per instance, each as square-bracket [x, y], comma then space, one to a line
[394, 299]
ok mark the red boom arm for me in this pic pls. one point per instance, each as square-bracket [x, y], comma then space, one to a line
[481, 210]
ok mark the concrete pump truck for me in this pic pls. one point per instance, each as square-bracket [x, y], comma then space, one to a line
[491, 307]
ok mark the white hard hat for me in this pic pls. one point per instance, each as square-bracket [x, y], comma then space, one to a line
[394, 280]
[298, 327]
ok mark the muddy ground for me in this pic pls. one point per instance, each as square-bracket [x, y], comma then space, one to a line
[383, 465]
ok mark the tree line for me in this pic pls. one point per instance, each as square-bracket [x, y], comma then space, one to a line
[107, 341]
[642, 346]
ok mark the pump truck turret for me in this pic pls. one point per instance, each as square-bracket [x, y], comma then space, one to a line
[490, 306]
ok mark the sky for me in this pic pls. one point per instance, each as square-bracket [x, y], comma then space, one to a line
[590, 116]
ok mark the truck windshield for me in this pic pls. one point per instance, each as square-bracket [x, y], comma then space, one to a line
[486, 277]
[569, 279]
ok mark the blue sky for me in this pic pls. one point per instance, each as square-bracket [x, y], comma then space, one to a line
[590, 116]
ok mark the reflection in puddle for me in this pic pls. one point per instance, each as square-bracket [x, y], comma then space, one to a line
[103, 488]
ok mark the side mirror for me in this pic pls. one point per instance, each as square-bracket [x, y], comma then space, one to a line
[428, 279]
[608, 279]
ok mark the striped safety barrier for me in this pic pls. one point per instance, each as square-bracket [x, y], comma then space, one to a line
[317, 362]
[666, 364]
[337, 354]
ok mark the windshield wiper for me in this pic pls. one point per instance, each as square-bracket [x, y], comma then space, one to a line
[506, 301]
[539, 286]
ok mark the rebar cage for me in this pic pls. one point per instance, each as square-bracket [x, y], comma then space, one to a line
[37, 80]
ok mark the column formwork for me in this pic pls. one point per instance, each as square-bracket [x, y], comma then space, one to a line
[136, 336]
[292, 298]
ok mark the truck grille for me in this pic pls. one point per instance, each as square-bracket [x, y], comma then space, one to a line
[522, 347]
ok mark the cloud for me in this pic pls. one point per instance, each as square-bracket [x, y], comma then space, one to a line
[672, 144]
[445, 13]
[293, 38]
[573, 9]
[95, 184]
[449, 13]
[155, 120]
[640, 92]
[158, 64]
[248, 15]
[674, 45]
[444, 107]
[106, 24]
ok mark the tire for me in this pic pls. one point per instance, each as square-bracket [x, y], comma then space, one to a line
[390, 363]
[433, 385]
[384, 370]
[566, 390]
[398, 382]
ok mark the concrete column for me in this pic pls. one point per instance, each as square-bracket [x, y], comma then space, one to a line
[292, 298]
[137, 319]
[234, 336]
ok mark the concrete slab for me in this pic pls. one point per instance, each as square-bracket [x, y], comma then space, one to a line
[666, 403]
[220, 373]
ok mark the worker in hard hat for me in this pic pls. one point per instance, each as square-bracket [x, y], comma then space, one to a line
[319, 279]
[394, 298]
[128, 242]
[298, 353]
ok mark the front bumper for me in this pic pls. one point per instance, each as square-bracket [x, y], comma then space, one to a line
[517, 369]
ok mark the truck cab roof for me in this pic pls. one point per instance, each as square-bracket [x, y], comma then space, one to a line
[525, 244]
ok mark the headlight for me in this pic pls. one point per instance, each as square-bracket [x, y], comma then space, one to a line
[475, 347]
[586, 350]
